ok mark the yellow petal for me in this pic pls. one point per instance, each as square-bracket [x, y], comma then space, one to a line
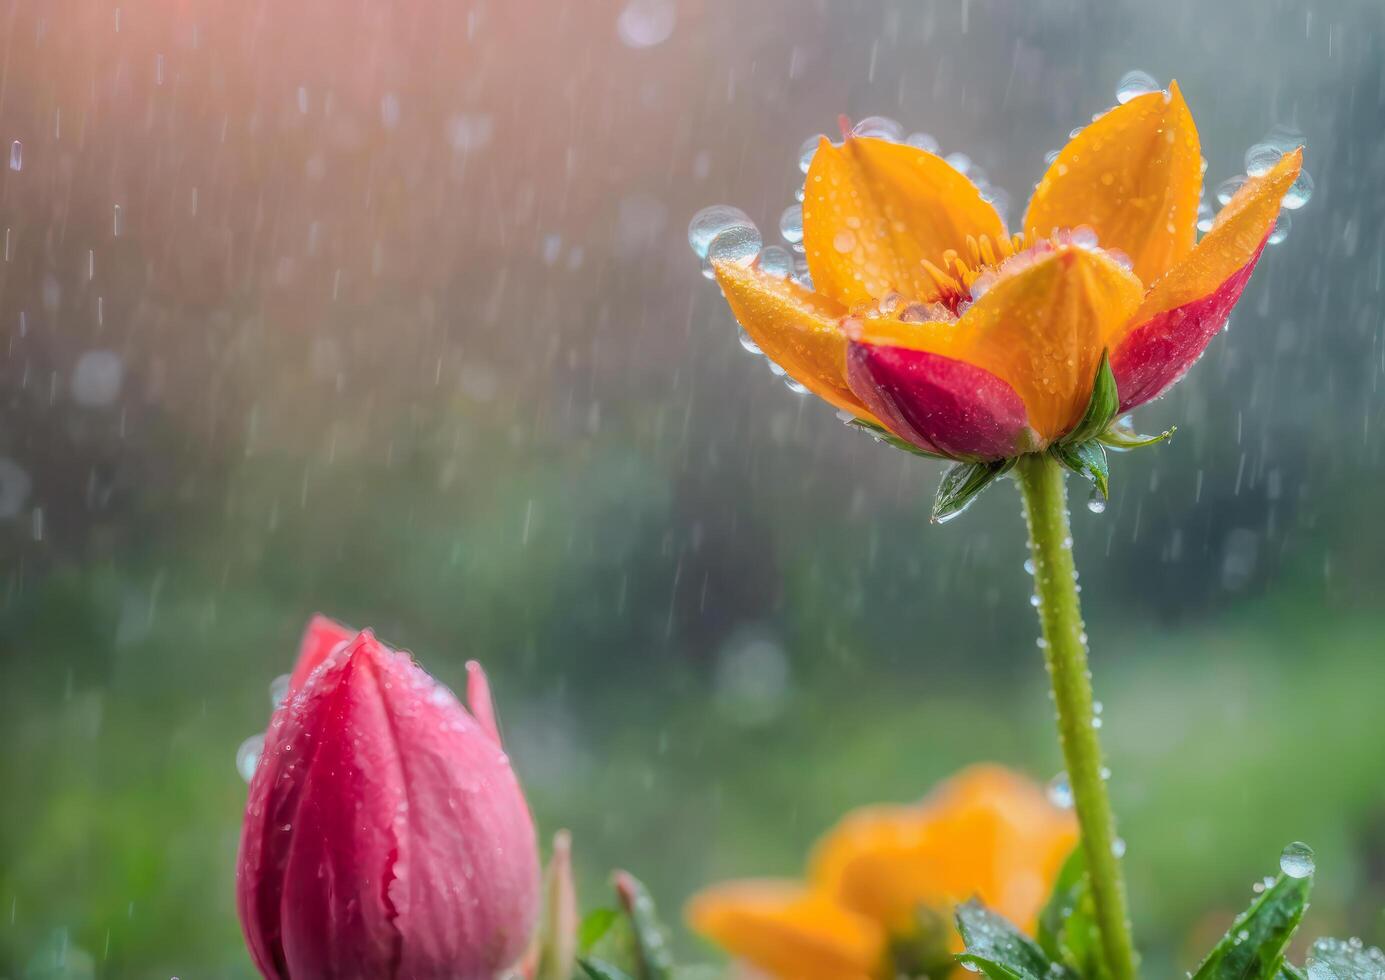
[789, 931]
[1134, 176]
[796, 329]
[986, 833]
[874, 210]
[1236, 236]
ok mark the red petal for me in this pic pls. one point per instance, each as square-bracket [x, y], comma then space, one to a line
[940, 404]
[1159, 351]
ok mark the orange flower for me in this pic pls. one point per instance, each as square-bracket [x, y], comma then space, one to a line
[986, 833]
[928, 317]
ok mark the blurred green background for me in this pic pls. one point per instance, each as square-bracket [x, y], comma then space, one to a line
[391, 315]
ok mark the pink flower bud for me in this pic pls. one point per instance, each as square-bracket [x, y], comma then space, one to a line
[386, 836]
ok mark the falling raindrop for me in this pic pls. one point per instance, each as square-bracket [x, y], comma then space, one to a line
[97, 377]
[16, 155]
[646, 23]
[116, 222]
[248, 756]
[1296, 860]
[15, 485]
[1299, 191]
[712, 221]
[1134, 84]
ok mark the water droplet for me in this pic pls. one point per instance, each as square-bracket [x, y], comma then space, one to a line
[645, 23]
[248, 756]
[1281, 229]
[96, 378]
[1261, 158]
[737, 245]
[279, 690]
[775, 260]
[16, 155]
[1096, 503]
[1205, 216]
[1059, 791]
[1227, 189]
[806, 151]
[116, 222]
[791, 224]
[1299, 191]
[880, 127]
[923, 141]
[1118, 847]
[1029, 565]
[15, 485]
[1050, 158]
[844, 241]
[1134, 84]
[794, 386]
[711, 222]
[1296, 860]
[959, 162]
[748, 343]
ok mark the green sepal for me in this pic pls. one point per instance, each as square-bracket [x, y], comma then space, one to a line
[1087, 460]
[1121, 436]
[1068, 932]
[653, 959]
[601, 970]
[1101, 407]
[1344, 959]
[1253, 948]
[926, 950]
[999, 950]
[596, 925]
[962, 483]
[884, 435]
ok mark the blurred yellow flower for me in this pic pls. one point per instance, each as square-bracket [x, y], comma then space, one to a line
[886, 874]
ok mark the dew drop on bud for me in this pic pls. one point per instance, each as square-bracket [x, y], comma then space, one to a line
[1227, 189]
[248, 756]
[1299, 191]
[712, 221]
[1296, 860]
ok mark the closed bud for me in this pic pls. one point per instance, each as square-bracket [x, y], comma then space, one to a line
[386, 836]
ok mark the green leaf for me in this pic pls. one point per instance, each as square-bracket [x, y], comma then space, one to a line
[1345, 959]
[597, 923]
[999, 950]
[1121, 437]
[962, 483]
[925, 951]
[1068, 932]
[601, 970]
[1087, 460]
[1253, 948]
[1101, 407]
[654, 960]
[884, 435]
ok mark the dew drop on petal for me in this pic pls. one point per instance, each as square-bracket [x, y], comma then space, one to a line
[1205, 216]
[844, 241]
[1261, 158]
[738, 245]
[880, 127]
[1299, 191]
[791, 224]
[923, 141]
[748, 343]
[1227, 189]
[712, 221]
[806, 151]
[777, 261]
[1281, 229]
[1134, 84]
[1296, 860]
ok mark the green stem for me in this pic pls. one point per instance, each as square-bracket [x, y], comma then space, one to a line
[1065, 649]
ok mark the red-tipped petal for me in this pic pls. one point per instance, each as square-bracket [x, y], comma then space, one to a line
[940, 404]
[322, 636]
[1158, 352]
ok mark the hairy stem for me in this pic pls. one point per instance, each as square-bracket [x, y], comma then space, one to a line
[1065, 651]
